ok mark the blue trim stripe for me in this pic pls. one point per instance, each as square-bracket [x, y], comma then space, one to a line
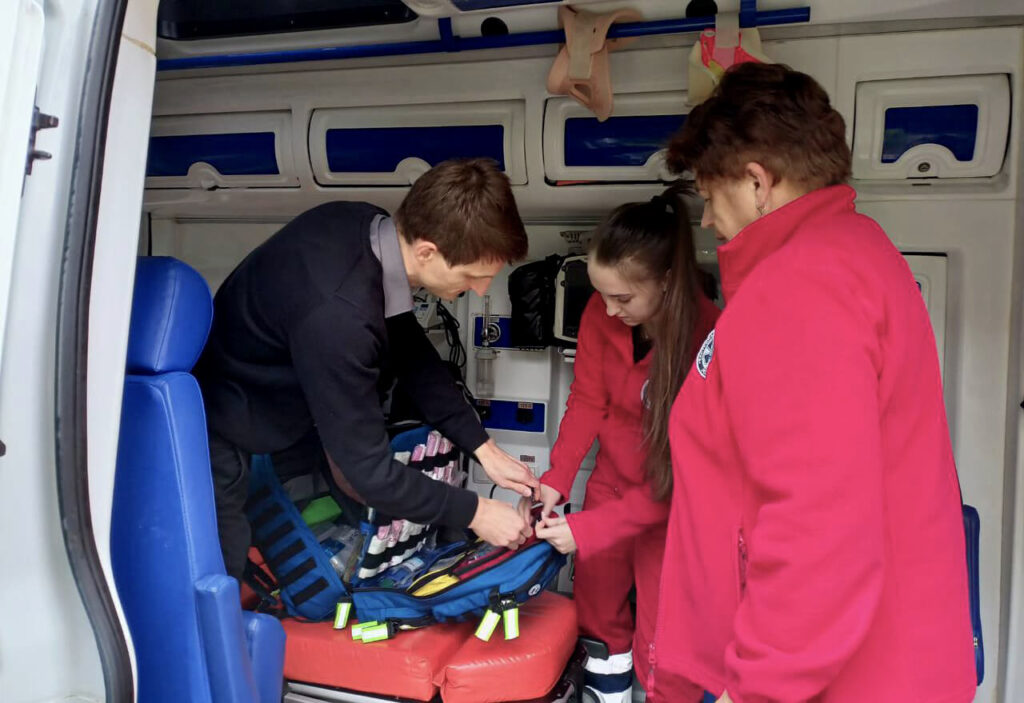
[452, 44]
[467, 5]
[380, 149]
[748, 13]
[618, 141]
[243, 154]
[608, 683]
[952, 126]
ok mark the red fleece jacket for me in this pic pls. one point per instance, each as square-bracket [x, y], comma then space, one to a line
[605, 403]
[815, 548]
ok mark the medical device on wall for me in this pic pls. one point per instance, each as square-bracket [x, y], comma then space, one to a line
[572, 291]
[485, 353]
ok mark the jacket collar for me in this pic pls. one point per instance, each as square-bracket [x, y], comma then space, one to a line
[738, 257]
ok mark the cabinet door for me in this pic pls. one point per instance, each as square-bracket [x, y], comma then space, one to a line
[231, 150]
[627, 147]
[939, 127]
[394, 145]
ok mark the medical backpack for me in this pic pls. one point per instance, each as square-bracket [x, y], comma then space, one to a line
[454, 580]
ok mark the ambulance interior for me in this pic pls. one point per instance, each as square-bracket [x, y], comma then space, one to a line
[253, 124]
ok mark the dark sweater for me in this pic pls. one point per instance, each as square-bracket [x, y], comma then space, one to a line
[299, 340]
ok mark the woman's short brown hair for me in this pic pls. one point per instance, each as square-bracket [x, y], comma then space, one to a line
[767, 114]
[465, 207]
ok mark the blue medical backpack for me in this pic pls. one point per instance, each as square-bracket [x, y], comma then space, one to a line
[310, 588]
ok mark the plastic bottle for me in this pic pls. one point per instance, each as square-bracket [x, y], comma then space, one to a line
[404, 574]
[343, 546]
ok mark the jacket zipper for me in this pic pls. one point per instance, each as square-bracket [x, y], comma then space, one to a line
[741, 556]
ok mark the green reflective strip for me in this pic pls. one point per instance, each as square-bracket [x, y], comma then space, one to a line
[487, 625]
[511, 619]
[376, 633]
[357, 629]
[341, 614]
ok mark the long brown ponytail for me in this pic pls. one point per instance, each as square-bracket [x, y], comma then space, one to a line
[657, 237]
[674, 348]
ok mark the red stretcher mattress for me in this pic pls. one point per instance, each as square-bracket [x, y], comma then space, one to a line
[448, 658]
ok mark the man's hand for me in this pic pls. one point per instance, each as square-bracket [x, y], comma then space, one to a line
[499, 524]
[506, 471]
[556, 531]
[525, 509]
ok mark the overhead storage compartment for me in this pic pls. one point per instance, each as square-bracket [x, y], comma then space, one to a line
[395, 144]
[230, 150]
[938, 127]
[627, 147]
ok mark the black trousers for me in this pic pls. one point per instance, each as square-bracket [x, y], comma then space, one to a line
[230, 466]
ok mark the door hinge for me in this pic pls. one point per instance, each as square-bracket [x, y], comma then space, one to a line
[40, 120]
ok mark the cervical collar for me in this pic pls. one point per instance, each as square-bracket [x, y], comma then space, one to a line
[719, 48]
[581, 68]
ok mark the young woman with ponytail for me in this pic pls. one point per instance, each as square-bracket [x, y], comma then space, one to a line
[638, 337]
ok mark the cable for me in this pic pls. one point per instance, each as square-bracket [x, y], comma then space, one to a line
[456, 350]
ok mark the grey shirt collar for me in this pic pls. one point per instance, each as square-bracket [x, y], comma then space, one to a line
[384, 242]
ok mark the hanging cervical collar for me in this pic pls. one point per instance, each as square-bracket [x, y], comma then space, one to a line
[581, 68]
[717, 49]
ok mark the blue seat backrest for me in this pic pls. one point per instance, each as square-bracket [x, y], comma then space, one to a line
[164, 529]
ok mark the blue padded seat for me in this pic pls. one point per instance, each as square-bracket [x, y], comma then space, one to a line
[192, 640]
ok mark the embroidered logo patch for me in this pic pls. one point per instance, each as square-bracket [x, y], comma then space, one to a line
[707, 350]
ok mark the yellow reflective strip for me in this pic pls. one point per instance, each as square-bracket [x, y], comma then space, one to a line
[511, 620]
[487, 625]
[357, 629]
[376, 633]
[341, 614]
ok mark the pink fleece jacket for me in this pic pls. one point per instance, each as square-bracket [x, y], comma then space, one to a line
[815, 547]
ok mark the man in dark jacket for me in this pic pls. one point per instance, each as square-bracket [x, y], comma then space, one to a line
[311, 329]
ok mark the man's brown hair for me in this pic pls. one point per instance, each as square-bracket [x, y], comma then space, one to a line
[767, 114]
[465, 207]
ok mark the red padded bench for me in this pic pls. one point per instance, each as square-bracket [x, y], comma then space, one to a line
[441, 662]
